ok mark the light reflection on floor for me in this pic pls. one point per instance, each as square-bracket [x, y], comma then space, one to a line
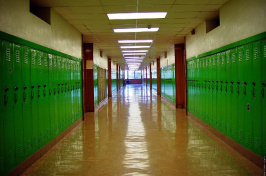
[138, 134]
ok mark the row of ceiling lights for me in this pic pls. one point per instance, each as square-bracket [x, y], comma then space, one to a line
[134, 57]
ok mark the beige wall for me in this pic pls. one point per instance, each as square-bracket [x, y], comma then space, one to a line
[113, 66]
[16, 20]
[170, 57]
[98, 60]
[239, 19]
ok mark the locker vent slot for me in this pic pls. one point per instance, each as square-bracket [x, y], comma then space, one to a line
[17, 56]
[26, 58]
[11, 158]
[20, 151]
[8, 58]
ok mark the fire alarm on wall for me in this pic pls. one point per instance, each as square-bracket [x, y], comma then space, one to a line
[193, 32]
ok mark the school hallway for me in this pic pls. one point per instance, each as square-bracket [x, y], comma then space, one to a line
[137, 133]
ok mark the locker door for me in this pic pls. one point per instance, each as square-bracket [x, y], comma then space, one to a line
[34, 100]
[18, 97]
[80, 89]
[72, 91]
[248, 126]
[222, 92]
[206, 77]
[219, 92]
[210, 90]
[214, 89]
[2, 135]
[56, 94]
[228, 95]
[240, 99]
[234, 93]
[40, 82]
[63, 101]
[59, 94]
[208, 95]
[263, 95]
[67, 92]
[8, 113]
[256, 107]
[52, 93]
[45, 93]
[26, 105]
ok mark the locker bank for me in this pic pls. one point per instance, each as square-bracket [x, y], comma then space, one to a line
[136, 87]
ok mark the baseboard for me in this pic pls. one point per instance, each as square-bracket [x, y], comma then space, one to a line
[20, 169]
[253, 157]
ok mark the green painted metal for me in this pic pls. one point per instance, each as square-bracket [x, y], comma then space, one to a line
[2, 107]
[17, 107]
[256, 107]
[263, 98]
[226, 90]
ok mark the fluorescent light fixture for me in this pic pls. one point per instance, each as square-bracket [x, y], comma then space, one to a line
[133, 57]
[135, 41]
[129, 16]
[134, 54]
[134, 51]
[155, 29]
[134, 47]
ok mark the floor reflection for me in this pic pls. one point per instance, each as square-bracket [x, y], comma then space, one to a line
[136, 133]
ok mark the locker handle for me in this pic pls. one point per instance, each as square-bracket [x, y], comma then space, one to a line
[65, 83]
[39, 86]
[254, 83]
[217, 81]
[32, 94]
[262, 92]
[253, 92]
[16, 88]
[245, 90]
[212, 81]
[58, 84]
[44, 85]
[39, 93]
[25, 87]
[245, 82]
[263, 84]
[24, 97]
[226, 82]
[209, 81]
[6, 89]
[50, 92]
[62, 84]
[238, 82]
[16, 98]
[237, 90]
[231, 89]
[221, 81]
[6, 99]
[32, 87]
[232, 82]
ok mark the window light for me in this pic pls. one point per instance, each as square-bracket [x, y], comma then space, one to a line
[155, 29]
[143, 15]
[135, 41]
[134, 51]
[134, 47]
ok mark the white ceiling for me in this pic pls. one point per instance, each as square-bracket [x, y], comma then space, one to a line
[90, 18]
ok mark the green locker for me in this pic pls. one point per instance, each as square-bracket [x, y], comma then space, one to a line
[223, 93]
[248, 126]
[228, 93]
[59, 94]
[214, 90]
[2, 134]
[68, 113]
[26, 105]
[263, 95]
[18, 99]
[56, 69]
[234, 93]
[219, 93]
[45, 94]
[72, 91]
[40, 81]
[80, 90]
[240, 92]
[8, 113]
[52, 92]
[209, 93]
[256, 107]
[63, 94]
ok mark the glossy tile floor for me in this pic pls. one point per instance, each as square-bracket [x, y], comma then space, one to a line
[135, 133]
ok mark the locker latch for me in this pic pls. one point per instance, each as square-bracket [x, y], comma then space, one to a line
[44, 90]
[39, 91]
[253, 89]
[16, 94]
[6, 96]
[248, 107]
[245, 88]
[32, 92]
[226, 86]
[24, 95]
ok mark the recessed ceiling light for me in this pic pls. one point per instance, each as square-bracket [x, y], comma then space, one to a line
[155, 29]
[144, 15]
[135, 41]
[134, 54]
[134, 47]
[134, 51]
[134, 57]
